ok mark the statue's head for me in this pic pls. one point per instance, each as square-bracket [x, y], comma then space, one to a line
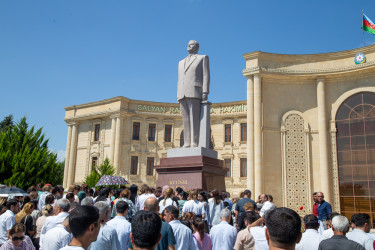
[193, 46]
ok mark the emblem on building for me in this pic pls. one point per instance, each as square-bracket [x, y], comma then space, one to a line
[360, 58]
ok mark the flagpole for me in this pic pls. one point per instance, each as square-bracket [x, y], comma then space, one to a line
[363, 31]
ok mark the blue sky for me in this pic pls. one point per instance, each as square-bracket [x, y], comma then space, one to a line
[55, 54]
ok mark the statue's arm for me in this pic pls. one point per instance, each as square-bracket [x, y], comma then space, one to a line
[206, 78]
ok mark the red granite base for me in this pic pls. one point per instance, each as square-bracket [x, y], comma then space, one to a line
[191, 172]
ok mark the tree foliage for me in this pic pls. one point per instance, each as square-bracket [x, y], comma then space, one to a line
[25, 159]
[6, 123]
[98, 171]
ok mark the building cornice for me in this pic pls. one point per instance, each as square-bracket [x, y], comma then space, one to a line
[98, 103]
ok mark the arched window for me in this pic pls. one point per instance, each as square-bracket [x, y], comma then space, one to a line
[355, 123]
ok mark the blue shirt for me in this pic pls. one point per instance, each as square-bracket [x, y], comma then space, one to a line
[183, 235]
[223, 236]
[123, 229]
[107, 239]
[323, 210]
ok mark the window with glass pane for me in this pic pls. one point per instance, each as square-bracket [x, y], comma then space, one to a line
[97, 132]
[150, 165]
[168, 133]
[136, 128]
[151, 132]
[243, 170]
[355, 123]
[228, 133]
[134, 165]
[94, 161]
[228, 167]
[243, 131]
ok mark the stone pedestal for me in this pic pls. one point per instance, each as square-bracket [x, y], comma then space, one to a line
[191, 172]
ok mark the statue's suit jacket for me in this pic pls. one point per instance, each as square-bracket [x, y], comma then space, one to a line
[193, 77]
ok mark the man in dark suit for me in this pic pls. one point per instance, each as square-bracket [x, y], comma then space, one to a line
[193, 87]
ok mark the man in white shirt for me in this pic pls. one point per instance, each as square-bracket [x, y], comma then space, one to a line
[267, 205]
[310, 238]
[58, 237]
[7, 219]
[107, 237]
[223, 235]
[183, 235]
[85, 225]
[362, 228]
[121, 225]
[61, 212]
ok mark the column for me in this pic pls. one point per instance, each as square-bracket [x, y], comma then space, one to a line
[73, 154]
[67, 156]
[323, 140]
[250, 135]
[113, 139]
[258, 168]
[118, 142]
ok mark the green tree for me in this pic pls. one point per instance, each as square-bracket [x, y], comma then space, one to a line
[6, 123]
[25, 159]
[98, 171]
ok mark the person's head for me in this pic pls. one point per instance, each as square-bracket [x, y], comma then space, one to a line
[183, 195]
[84, 223]
[81, 195]
[263, 198]
[247, 193]
[76, 189]
[146, 227]
[171, 213]
[193, 47]
[13, 205]
[70, 197]
[151, 204]
[311, 222]
[193, 195]
[47, 210]
[235, 199]
[27, 209]
[340, 224]
[33, 195]
[73, 206]
[144, 189]
[198, 226]
[330, 217]
[158, 191]
[103, 208]
[88, 201]
[62, 205]
[17, 234]
[167, 194]
[315, 199]
[50, 199]
[250, 217]
[283, 228]
[56, 192]
[178, 191]
[320, 197]
[361, 221]
[216, 196]
[225, 215]
[47, 188]
[122, 208]
[248, 206]
[270, 197]
[125, 193]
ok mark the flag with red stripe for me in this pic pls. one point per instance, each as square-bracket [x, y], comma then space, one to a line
[368, 25]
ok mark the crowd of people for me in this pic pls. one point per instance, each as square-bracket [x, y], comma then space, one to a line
[165, 219]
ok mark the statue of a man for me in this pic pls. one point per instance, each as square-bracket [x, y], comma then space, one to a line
[193, 87]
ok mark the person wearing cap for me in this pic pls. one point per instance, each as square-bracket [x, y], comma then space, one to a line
[81, 196]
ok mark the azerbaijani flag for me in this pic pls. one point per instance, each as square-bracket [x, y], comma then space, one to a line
[368, 25]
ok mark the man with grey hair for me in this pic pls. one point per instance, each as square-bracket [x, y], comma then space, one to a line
[107, 237]
[340, 226]
[88, 201]
[61, 209]
[223, 235]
